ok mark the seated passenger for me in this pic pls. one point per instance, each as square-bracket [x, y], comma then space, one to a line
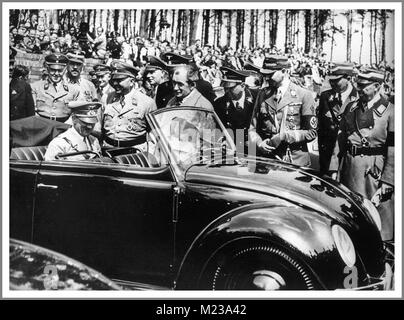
[78, 138]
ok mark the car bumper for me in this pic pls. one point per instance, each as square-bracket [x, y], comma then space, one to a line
[385, 282]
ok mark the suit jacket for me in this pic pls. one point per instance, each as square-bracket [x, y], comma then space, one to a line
[194, 99]
[21, 100]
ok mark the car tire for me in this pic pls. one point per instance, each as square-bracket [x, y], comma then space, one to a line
[256, 267]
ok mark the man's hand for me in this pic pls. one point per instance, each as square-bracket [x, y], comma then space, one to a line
[265, 147]
[382, 194]
[386, 189]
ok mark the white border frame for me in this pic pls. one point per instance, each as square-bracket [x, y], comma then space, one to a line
[397, 293]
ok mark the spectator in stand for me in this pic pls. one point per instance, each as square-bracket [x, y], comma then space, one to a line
[114, 47]
[99, 43]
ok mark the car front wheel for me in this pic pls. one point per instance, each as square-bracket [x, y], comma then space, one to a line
[261, 267]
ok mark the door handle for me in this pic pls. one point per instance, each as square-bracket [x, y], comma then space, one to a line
[50, 186]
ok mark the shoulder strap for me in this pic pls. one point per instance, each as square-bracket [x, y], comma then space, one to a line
[71, 144]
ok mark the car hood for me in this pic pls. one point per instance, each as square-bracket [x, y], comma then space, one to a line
[301, 186]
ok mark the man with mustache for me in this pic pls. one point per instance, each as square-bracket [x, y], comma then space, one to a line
[285, 121]
[77, 138]
[124, 122]
[52, 95]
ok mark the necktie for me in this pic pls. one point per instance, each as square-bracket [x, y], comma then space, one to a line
[238, 106]
[122, 101]
[279, 96]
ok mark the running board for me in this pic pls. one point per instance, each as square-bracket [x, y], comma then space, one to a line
[129, 285]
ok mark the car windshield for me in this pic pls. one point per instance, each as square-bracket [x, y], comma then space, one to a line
[194, 136]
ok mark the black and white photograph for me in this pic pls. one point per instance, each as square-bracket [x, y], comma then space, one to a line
[201, 150]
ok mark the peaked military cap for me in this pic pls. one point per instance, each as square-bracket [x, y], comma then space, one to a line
[172, 58]
[155, 63]
[232, 77]
[56, 61]
[101, 69]
[338, 70]
[370, 76]
[85, 111]
[252, 67]
[77, 58]
[121, 70]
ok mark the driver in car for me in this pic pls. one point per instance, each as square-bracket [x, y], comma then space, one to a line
[78, 138]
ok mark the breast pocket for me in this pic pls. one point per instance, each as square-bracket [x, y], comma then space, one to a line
[294, 109]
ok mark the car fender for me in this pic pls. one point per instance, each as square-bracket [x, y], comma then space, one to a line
[301, 231]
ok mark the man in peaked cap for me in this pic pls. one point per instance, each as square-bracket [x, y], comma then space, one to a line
[157, 74]
[364, 154]
[87, 90]
[267, 70]
[174, 60]
[285, 121]
[52, 95]
[77, 138]
[125, 112]
[332, 107]
[236, 106]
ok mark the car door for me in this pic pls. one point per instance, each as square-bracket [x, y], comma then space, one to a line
[115, 218]
[23, 175]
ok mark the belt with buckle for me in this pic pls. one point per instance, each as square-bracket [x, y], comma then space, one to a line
[366, 151]
[125, 143]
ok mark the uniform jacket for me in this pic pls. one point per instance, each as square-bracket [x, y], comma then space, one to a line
[376, 125]
[363, 173]
[71, 141]
[330, 112]
[235, 118]
[194, 99]
[126, 119]
[290, 123]
[86, 88]
[21, 101]
[164, 93]
[51, 101]
[206, 89]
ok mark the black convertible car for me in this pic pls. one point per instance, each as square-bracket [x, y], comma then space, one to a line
[190, 213]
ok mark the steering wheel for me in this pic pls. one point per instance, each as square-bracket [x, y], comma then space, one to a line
[66, 155]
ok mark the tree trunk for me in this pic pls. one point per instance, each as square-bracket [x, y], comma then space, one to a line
[332, 37]
[370, 38]
[349, 36]
[383, 35]
[206, 20]
[361, 46]
[376, 13]
[251, 23]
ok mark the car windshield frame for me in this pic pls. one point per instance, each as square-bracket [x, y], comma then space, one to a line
[164, 143]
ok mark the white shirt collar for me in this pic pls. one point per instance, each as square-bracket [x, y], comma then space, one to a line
[240, 101]
[373, 101]
[284, 86]
[346, 93]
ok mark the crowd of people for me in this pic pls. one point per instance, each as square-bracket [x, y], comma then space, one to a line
[280, 101]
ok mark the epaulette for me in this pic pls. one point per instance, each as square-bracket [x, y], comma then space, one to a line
[380, 107]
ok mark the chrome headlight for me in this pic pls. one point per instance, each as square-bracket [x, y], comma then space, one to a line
[374, 213]
[344, 245]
